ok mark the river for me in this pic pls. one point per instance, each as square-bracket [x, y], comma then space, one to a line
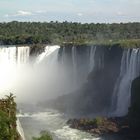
[52, 121]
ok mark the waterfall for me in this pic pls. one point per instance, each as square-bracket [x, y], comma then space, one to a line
[14, 55]
[63, 56]
[74, 63]
[23, 54]
[69, 72]
[91, 58]
[11, 58]
[130, 69]
[20, 130]
[48, 51]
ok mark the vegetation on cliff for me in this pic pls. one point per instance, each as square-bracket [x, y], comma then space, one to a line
[61, 33]
[8, 129]
[44, 136]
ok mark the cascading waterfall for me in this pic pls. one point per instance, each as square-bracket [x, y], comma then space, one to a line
[48, 51]
[91, 58]
[130, 69]
[77, 62]
[20, 130]
[74, 62]
[23, 54]
[50, 71]
[11, 58]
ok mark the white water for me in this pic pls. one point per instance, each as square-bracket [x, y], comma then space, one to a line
[48, 51]
[54, 122]
[31, 83]
[92, 58]
[20, 130]
[12, 60]
[130, 69]
[25, 81]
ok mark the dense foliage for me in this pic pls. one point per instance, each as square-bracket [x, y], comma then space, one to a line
[58, 33]
[8, 129]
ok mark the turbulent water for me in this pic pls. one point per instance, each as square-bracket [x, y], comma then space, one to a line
[52, 121]
[59, 71]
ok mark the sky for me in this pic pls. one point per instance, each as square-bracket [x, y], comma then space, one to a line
[85, 11]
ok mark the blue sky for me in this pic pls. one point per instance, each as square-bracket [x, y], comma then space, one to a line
[70, 10]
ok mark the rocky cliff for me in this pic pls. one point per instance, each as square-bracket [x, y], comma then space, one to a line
[134, 111]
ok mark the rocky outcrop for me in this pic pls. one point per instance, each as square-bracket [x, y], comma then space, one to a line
[100, 126]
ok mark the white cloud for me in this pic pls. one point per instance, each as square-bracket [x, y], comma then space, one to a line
[40, 12]
[23, 13]
[80, 14]
[19, 13]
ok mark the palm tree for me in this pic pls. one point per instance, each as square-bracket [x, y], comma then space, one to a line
[10, 98]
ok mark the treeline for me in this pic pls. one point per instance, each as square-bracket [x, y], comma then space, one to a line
[66, 32]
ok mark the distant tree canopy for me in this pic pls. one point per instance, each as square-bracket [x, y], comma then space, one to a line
[66, 32]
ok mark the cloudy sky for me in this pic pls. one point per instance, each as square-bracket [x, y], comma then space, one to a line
[70, 10]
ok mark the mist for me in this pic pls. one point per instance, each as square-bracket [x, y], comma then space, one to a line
[43, 78]
[88, 76]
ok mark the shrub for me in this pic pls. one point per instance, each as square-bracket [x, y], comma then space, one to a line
[44, 136]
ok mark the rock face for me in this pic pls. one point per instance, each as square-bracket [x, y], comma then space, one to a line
[134, 111]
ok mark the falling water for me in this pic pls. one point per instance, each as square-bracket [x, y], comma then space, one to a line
[74, 62]
[46, 74]
[130, 69]
[48, 51]
[20, 130]
[11, 59]
[23, 54]
[91, 58]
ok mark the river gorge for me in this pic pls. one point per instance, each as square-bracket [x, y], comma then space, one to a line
[58, 83]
